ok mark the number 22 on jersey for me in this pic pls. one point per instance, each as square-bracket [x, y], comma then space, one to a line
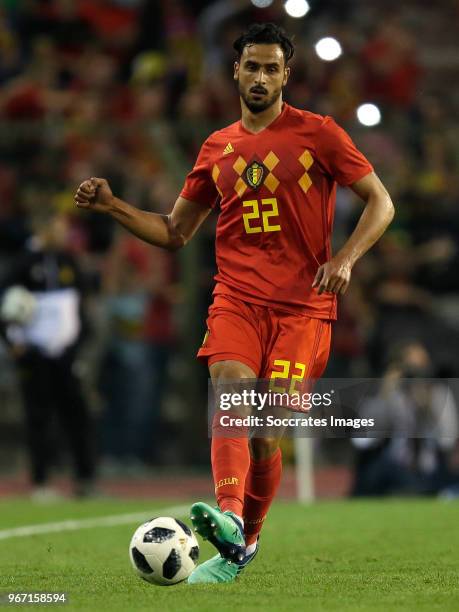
[266, 209]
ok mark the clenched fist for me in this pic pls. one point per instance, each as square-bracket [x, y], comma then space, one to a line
[94, 194]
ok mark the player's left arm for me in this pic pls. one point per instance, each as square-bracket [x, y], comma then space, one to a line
[334, 276]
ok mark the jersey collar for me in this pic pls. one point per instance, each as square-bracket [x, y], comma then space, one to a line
[279, 118]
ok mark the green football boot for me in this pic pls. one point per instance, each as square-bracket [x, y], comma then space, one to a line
[222, 529]
[218, 570]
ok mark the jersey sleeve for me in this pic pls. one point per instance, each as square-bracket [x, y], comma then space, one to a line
[199, 185]
[339, 156]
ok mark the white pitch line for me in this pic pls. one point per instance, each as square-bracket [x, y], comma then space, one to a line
[101, 521]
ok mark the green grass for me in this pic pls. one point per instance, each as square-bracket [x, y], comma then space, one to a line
[384, 555]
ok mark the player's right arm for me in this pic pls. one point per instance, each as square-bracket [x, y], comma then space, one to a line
[168, 231]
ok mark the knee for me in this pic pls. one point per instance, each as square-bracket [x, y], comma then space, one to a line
[263, 448]
[231, 377]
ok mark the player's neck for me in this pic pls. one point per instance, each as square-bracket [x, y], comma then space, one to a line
[256, 122]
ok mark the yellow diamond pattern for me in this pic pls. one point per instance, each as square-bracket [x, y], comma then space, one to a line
[305, 182]
[306, 160]
[215, 172]
[271, 161]
[240, 187]
[271, 182]
[240, 165]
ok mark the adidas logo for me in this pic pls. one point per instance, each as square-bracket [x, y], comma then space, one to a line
[228, 149]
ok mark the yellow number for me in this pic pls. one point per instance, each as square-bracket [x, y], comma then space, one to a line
[284, 374]
[266, 214]
[255, 214]
[302, 368]
[285, 365]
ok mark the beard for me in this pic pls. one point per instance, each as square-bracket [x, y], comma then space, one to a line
[258, 106]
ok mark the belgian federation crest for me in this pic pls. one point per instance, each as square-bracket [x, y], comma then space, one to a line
[254, 174]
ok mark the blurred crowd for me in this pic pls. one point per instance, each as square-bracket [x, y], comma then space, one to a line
[129, 89]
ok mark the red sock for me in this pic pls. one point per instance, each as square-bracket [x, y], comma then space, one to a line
[261, 487]
[230, 464]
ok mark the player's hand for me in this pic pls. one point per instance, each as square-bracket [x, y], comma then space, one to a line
[94, 194]
[333, 276]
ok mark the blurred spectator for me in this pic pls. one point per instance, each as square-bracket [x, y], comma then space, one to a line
[44, 347]
[125, 374]
[138, 283]
[420, 419]
[403, 309]
[391, 67]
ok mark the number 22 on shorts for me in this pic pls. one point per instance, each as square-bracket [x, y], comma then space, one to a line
[284, 373]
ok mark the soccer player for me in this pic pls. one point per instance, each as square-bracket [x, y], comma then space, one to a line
[273, 175]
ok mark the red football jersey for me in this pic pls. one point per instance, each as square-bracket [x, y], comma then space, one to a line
[277, 193]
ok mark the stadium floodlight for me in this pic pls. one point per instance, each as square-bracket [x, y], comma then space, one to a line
[296, 8]
[369, 114]
[328, 49]
[262, 3]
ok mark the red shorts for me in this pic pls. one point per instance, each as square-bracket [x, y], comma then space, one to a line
[266, 339]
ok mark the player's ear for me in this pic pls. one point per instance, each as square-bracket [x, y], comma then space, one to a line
[236, 71]
[286, 75]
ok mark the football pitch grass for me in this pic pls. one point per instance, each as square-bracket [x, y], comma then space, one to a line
[346, 555]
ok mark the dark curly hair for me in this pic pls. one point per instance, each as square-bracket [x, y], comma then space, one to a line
[265, 34]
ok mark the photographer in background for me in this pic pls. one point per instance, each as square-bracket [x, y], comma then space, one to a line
[43, 325]
[420, 416]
